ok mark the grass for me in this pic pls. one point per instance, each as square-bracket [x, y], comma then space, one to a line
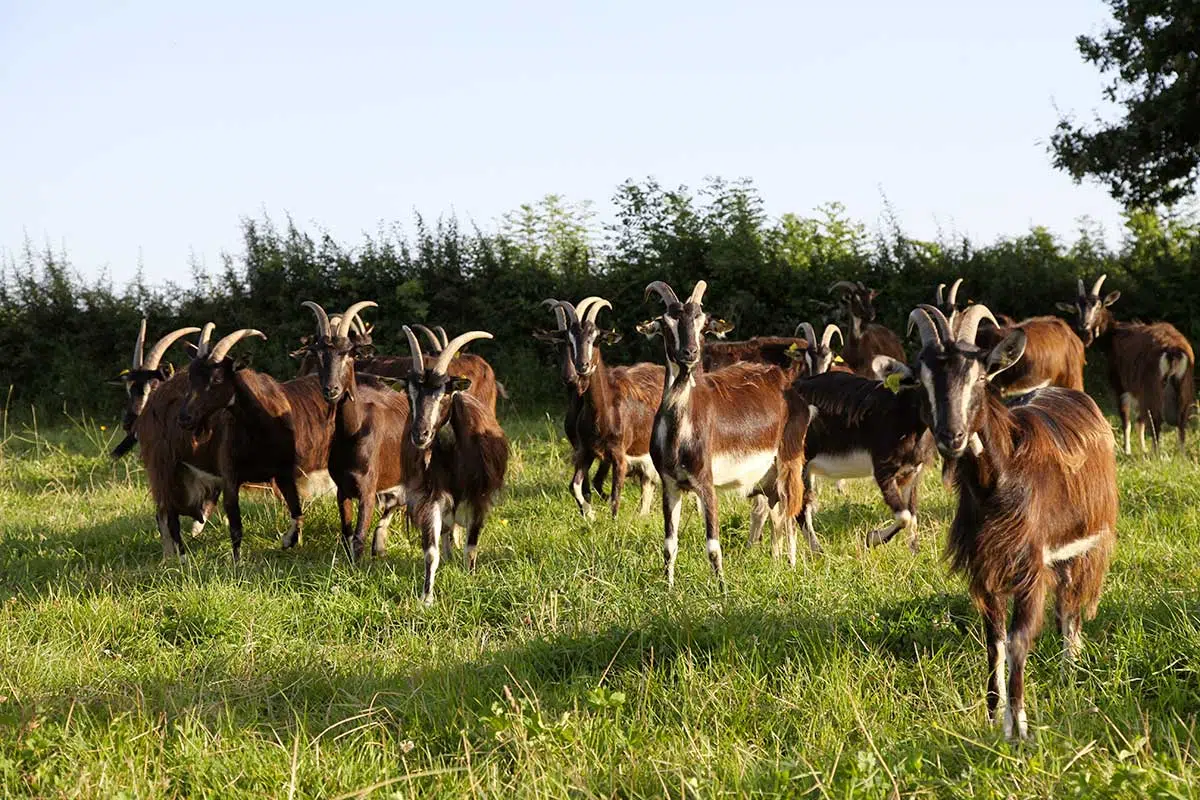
[563, 667]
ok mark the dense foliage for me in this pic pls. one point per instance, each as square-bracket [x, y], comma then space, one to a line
[1151, 154]
[62, 335]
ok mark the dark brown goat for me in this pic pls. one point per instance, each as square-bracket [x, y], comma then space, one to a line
[866, 339]
[143, 377]
[455, 454]
[731, 428]
[1053, 353]
[274, 431]
[1037, 495]
[1150, 367]
[484, 386]
[616, 408]
[366, 450]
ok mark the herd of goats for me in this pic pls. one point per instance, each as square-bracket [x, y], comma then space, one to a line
[1029, 454]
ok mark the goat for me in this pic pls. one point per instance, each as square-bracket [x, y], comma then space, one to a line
[1037, 495]
[784, 352]
[819, 357]
[272, 432]
[365, 451]
[861, 428]
[1149, 366]
[866, 339]
[143, 377]
[478, 371]
[616, 408]
[454, 454]
[731, 428]
[1053, 353]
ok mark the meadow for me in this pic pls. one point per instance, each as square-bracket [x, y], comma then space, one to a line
[563, 667]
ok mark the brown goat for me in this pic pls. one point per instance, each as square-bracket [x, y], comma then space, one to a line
[1150, 367]
[274, 431]
[1037, 495]
[454, 456]
[731, 428]
[1053, 353]
[143, 377]
[866, 339]
[365, 452]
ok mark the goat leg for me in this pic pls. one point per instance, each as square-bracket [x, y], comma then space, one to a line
[430, 520]
[712, 541]
[672, 503]
[904, 518]
[233, 513]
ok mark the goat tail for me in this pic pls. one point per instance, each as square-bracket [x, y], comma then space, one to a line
[1175, 368]
[789, 475]
[500, 390]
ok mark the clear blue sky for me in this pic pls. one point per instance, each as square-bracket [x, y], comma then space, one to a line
[149, 128]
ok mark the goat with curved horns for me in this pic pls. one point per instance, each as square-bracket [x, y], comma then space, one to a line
[1151, 368]
[819, 357]
[615, 414]
[142, 378]
[866, 338]
[366, 449]
[1037, 494]
[454, 453]
[1053, 353]
[731, 428]
[271, 431]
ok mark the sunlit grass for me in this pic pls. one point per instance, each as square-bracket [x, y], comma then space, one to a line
[563, 666]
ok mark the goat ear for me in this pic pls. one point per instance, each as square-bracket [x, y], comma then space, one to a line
[891, 371]
[1005, 354]
[1112, 298]
[612, 337]
[242, 362]
[1066, 308]
[166, 371]
[120, 379]
[717, 327]
[364, 350]
[650, 328]
[553, 337]
[457, 384]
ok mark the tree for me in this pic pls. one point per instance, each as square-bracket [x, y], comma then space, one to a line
[1151, 155]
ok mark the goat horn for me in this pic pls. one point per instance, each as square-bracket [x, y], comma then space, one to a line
[583, 305]
[665, 292]
[431, 336]
[559, 316]
[350, 314]
[1082, 291]
[569, 310]
[968, 322]
[598, 305]
[453, 346]
[418, 358]
[697, 295]
[810, 336]
[221, 348]
[1096, 286]
[160, 347]
[844, 286]
[827, 337]
[323, 324]
[931, 322]
[937, 298]
[952, 298]
[202, 346]
[138, 345]
[441, 332]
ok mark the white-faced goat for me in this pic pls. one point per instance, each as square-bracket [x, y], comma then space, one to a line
[272, 431]
[1150, 367]
[455, 454]
[615, 414]
[143, 377]
[866, 338]
[732, 428]
[1037, 496]
[366, 450]
[819, 357]
[1053, 353]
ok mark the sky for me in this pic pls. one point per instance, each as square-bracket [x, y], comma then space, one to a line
[142, 132]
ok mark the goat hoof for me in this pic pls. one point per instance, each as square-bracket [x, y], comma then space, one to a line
[427, 599]
[876, 538]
